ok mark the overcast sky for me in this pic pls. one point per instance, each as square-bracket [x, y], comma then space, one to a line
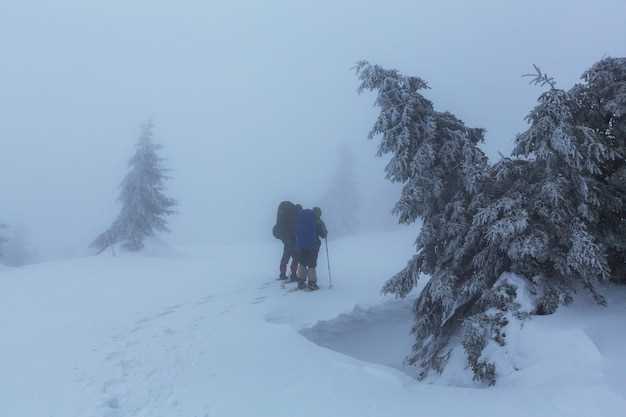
[252, 99]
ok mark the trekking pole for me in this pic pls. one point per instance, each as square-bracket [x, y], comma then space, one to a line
[330, 279]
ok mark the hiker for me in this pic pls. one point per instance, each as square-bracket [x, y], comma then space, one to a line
[285, 230]
[309, 229]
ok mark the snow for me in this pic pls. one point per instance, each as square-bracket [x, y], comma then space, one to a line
[378, 334]
[207, 331]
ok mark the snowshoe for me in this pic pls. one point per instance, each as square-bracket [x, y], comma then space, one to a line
[313, 286]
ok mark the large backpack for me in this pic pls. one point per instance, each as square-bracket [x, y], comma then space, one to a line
[285, 217]
[306, 229]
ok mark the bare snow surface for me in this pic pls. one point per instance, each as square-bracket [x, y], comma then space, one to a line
[207, 331]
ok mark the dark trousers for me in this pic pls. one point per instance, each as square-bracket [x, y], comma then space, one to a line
[308, 257]
[289, 252]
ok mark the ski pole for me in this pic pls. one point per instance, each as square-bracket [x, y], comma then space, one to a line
[330, 279]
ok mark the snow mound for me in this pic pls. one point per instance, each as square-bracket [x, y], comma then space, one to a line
[548, 356]
[536, 355]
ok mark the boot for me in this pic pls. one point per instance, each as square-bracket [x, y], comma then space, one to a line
[312, 275]
[302, 273]
[282, 277]
[293, 277]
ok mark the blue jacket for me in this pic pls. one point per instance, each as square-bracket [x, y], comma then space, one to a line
[309, 229]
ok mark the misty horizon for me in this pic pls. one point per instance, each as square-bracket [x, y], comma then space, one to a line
[252, 102]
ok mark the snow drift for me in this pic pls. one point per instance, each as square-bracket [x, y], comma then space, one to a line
[204, 334]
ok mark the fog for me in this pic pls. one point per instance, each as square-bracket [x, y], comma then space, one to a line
[252, 99]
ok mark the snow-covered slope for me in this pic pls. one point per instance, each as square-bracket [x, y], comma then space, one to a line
[209, 332]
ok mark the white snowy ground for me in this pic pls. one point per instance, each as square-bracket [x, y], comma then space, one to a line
[209, 332]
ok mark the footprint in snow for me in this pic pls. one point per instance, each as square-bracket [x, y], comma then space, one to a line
[259, 300]
[265, 285]
[169, 310]
[166, 312]
[137, 328]
[144, 320]
[205, 300]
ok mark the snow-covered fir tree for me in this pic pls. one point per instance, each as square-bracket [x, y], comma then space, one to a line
[545, 214]
[601, 105]
[571, 168]
[341, 201]
[552, 214]
[145, 206]
[438, 161]
[563, 194]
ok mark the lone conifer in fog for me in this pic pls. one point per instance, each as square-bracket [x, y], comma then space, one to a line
[145, 206]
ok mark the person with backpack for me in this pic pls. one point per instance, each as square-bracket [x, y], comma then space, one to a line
[285, 230]
[310, 229]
